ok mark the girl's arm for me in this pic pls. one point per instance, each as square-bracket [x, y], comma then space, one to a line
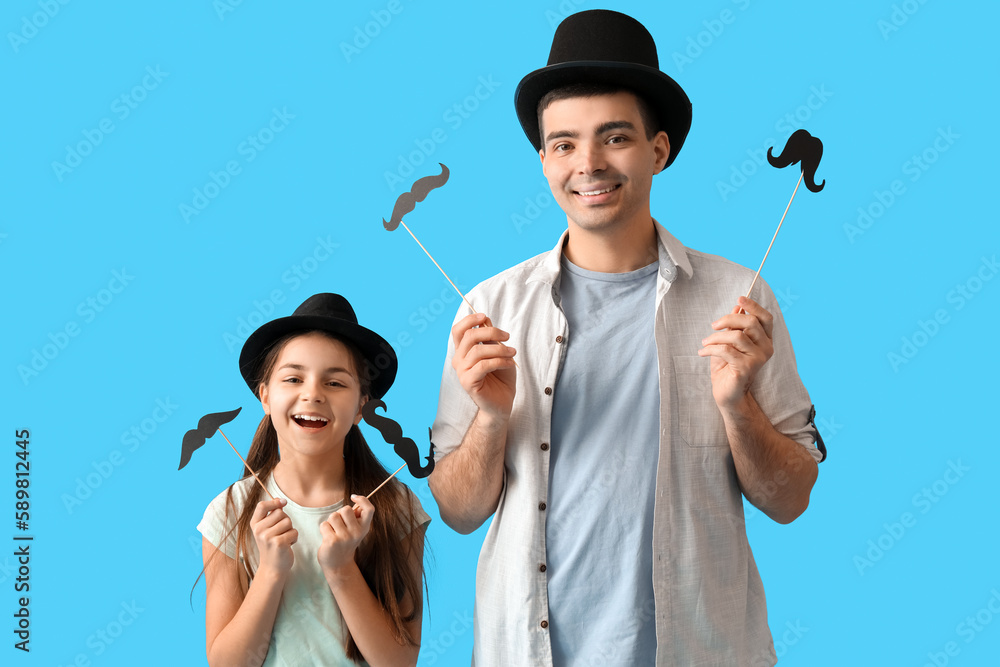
[369, 624]
[237, 627]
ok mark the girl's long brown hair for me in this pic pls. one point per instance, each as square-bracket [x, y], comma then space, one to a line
[383, 556]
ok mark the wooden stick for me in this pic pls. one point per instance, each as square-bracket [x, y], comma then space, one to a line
[437, 265]
[774, 237]
[386, 481]
[247, 465]
[383, 483]
[446, 277]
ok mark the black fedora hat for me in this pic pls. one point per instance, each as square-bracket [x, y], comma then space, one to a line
[606, 47]
[333, 314]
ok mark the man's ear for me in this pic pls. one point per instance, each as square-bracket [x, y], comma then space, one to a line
[541, 156]
[661, 150]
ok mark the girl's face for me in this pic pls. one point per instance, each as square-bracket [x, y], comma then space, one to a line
[313, 396]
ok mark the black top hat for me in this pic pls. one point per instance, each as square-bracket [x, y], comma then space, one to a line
[602, 46]
[323, 312]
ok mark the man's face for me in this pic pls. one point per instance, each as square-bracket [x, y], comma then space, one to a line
[598, 161]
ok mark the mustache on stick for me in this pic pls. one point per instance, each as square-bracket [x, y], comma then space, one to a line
[207, 426]
[407, 201]
[805, 149]
[393, 434]
[405, 204]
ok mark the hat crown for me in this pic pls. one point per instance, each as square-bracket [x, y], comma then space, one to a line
[330, 313]
[603, 35]
[604, 47]
[327, 305]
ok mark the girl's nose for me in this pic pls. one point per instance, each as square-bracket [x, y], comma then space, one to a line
[311, 391]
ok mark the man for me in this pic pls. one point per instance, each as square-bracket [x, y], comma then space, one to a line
[615, 455]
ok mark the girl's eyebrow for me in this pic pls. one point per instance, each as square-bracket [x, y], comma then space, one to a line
[331, 370]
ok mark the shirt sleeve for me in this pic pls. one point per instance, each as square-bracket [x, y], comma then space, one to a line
[420, 517]
[778, 388]
[219, 529]
[456, 409]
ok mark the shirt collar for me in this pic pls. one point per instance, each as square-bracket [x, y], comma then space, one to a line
[672, 259]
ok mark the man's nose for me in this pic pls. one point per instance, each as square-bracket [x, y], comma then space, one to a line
[591, 159]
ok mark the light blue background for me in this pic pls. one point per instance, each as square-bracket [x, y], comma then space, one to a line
[850, 296]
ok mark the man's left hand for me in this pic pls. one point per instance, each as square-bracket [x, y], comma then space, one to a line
[739, 347]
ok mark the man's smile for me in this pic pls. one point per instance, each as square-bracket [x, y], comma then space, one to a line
[597, 193]
[594, 193]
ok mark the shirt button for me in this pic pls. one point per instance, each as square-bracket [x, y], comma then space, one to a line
[541, 505]
[541, 568]
[559, 339]
[545, 624]
[545, 446]
[548, 391]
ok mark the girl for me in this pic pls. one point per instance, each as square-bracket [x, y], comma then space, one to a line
[305, 579]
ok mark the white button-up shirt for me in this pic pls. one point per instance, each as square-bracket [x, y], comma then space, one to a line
[709, 599]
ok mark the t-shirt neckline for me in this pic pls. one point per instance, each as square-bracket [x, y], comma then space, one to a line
[638, 274]
[272, 486]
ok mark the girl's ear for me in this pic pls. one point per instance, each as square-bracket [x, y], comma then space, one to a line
[357, 417]
[264, 400]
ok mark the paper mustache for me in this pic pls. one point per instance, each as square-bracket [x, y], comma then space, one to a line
[393, 434]
[207, 426]
[407, 201]
[805, 149]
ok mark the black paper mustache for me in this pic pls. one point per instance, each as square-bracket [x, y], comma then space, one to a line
[408, 200]
[804, 148]
[405, 448]
[207, 426]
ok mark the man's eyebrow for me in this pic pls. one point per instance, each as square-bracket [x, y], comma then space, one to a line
[614, 125]
[561, 134]
[603, 128]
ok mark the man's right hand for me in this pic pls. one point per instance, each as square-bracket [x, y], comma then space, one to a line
[486, 371]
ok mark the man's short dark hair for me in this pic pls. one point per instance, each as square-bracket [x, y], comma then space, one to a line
[650, 121]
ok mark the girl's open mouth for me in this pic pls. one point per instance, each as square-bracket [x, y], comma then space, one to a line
[310, 421]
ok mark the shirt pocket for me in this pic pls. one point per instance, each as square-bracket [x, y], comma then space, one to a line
[700, 422]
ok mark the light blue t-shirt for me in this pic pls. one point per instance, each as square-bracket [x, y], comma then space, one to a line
[602, 475]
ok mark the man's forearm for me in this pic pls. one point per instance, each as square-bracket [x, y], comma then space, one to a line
[468, 481]
[776, 474]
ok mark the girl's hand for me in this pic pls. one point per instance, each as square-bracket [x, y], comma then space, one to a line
[342, 531]
[274, 534]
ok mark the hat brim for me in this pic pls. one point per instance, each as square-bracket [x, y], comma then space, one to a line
[668, 99]
[379, 355]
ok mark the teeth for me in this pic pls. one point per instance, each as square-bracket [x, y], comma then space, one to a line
[311, 418]
[597, 192]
